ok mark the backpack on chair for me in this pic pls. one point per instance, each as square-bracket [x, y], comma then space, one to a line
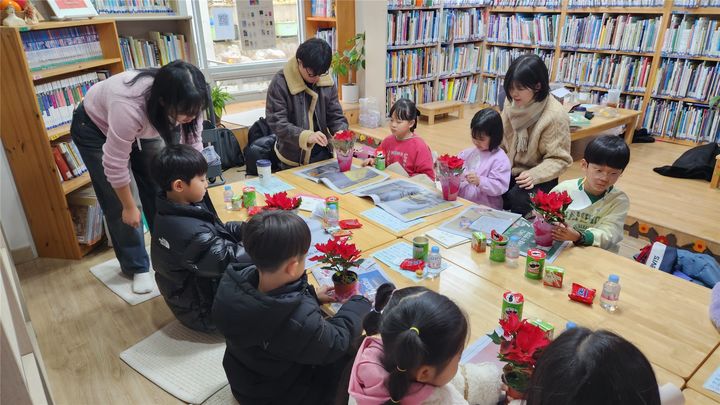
[261, 145]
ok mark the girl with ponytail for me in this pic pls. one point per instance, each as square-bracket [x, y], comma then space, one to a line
[415, 360]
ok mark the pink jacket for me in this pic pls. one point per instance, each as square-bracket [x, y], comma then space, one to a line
[493, 170]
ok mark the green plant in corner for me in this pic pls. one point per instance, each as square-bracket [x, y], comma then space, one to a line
[220, 97]
[352, 60]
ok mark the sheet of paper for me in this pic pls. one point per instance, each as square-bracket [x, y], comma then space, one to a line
[487, 224]
[371, 276]
[275, 185]
[394, 255]
[446, 239]
[318, 235]
[309, 203]
[713, 382]
[482, 350]
[479, 219]
[386, 220]
[524, 230]
[560, 92]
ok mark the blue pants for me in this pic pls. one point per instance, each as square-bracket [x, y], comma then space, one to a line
[128, 242]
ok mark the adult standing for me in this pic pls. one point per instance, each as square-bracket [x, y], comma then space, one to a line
[536, 133]
[120, 126]
[302, 106]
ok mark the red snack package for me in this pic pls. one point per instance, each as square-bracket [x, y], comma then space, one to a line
[412, 264]
[342, 233]
[349, 224]
[582, 294]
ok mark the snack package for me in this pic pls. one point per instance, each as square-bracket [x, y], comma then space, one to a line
[350, 224]
[582, 294]
[412, 264]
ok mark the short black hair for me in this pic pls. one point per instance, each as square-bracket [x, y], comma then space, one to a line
[315, 54]
[487, 122]
[608, 150]
[175, 162]
[528, 70]
[404, 109]
[273, 237]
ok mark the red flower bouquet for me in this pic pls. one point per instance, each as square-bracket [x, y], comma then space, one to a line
[450, 165]
[551, 206]
[281, 201]
[343, 140]
[340, 256]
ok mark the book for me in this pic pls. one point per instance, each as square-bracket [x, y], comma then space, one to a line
[329, 35]
[160, 49]
[62, 166]
[462, 25]
[526, 29]
[57, 99]
[528, 3]
[419, 93]
[697, 80]
[410, 64]
[50, 48]
[615, 3]
[86, 215]
[497, 59]
[690, 35]
[682, 120]
[627, 73]
[631, 33]
[413, 27]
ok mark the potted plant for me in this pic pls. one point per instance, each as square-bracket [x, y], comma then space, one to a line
[345, 63]
[343, 143]
[521, 345]
[549, 210]
[340, 256]
[281, 201]
[450, 169]
[220, 98]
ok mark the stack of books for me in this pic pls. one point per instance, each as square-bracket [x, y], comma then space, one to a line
[133, 6]
[463, 25]
[680, 120]
[608, 32]
[687, 79]
[46, 49]
[413, 27]
[419, 93]
[498, 59]
[58, 99]
[460, 59]
[690, 35]
[161, 49]
[538, 29]
[321, 8]
[68, 160]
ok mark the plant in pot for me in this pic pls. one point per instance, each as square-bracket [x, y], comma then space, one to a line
[521, 345]
[343, 143]
[549, 210]
[347, 62]
[450, 169]
[281, 201]
[340, 256]
[220, 98]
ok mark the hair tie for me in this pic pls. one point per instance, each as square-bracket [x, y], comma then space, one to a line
[394, 401]
[415, 329]
[402, 370]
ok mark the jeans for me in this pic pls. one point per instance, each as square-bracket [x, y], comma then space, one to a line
[517, 199]
[128, 242]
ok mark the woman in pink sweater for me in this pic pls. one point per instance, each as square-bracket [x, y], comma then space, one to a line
[121, 125]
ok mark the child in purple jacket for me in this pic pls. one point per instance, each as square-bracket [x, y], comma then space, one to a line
[487, 167]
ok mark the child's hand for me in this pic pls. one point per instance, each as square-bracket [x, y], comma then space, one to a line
[562, 232]
[369, 162]
[525, 180]
[323, 294]
[473, 179]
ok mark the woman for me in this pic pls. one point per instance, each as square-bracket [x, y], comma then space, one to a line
[536, 133]
[121, 125]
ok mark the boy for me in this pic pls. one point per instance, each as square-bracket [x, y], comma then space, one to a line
[280, 347]
[597, 215]
[191, 247]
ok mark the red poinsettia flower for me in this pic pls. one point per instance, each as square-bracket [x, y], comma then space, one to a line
[281, 201]
[450, 165]
[346, 135]
[511, 324]
[551, 206]
[338, 254]
[343, 140]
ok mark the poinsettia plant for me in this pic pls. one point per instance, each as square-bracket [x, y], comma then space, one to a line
[521, 345]
[343, 140]
[450, 165]
[281, 201]
[339, 256]
[551, 206]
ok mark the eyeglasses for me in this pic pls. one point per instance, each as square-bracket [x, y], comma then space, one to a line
[310, 74]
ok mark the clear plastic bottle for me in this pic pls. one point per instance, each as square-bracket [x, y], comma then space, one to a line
[434, 262]
[512, 251]
[227, 197]
[332, 217]
[610, 293]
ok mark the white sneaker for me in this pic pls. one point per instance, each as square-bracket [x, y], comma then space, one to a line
[143, 283]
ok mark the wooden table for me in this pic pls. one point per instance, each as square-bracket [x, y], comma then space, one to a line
[430, 110]
[693, 397]
[599, 124]
[703, 373]
[715, 181]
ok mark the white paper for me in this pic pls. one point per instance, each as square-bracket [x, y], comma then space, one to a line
[318, 235]
[328, 173]
[394, 255]
[560, 92]
[274, 185]
[309, 203]
[446, 239]
[384, 219]
[713, 382]
[479, 219]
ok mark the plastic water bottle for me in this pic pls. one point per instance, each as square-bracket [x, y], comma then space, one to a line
[332, 216]
[512, 251]
[610, 293]
[227, 197]
[434, 262]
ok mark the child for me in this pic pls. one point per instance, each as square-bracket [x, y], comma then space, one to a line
[190, 246]
[487, 167]
[280, 347]
[416, 358]
[596, 368]
[597, 215]
[403, 146]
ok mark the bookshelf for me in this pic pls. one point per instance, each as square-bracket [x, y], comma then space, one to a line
[29, 144]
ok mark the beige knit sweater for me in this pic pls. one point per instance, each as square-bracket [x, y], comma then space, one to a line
[548, 154]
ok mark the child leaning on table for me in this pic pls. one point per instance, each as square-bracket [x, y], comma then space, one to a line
[415, 360]
[597, 215]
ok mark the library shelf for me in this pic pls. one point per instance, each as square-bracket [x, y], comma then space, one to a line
[58, 132]
[410, 82]
[683, 99]
[615, 10]
[698, 10]
[509, 45]
[147, 17]
[692, 57]
[411, 8]
[75, 183]
[411, 46]
[606, 51]
[72, 68]
[321, 19]
[524, 10]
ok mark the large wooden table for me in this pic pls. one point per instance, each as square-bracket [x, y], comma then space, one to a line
[703, 373]
[599, 123]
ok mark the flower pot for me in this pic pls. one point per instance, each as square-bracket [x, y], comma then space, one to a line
[543, 232]
[350, 93]
[511, 393]
[344, 159]
[344, 289]
[450, 187]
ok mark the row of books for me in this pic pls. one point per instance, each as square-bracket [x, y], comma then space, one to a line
[687, 78]
[458, 89]
[413, 3]
[489, 92]
[697, 3]
[160, 50]
[321, 8]
[613, 32]
[467, 3]
[626, 101]
[628, 73]
[58, 99]
[462, 25]
[459, 59]
[615, 3]
[329, 35]
[528, 3]
[538, 29]
[410, 64]
[681, 120]
[86, 215]
[419, 93]
[45, 49]
[68, 160]
[691, 35]
[497, 60]
[413, 27]
[133, 6]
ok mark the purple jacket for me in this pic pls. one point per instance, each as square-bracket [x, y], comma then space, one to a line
[493, 170]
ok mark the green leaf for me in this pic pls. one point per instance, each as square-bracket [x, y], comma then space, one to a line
[497, 339]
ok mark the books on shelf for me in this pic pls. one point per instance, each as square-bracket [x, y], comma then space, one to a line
[490, 90]
[497, 59]
[628, 73]
[322, 8]
[86, 215]
[133, 6]
[690, 35]
[412, 3]
[687, 78]
[458, 89]
[459, 59]
[58, 99]
[467, 3]
[68, 160]
[410, 64]
[46, 49]
[462, 25]
[329, 35]
[615, 3]
[537, 29]
[413, 27]
[608, 32]
[161, 49]
[419, 93]
[679, 120]
[528, 3]
[626, 101]
[697, 3]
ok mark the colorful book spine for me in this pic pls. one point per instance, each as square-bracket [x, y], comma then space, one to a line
[392, 4]
[458, 89]
[410, 64]
[159, 50]
[68, 160]
[463, 25]
[528, 3]
[537, 29]
[46, 49]
[681, 120]
[58, 99]
[490, 90]
[460, 59]
[329, 35]
[497, 59]
[690, 35]
[419, 93]
[627, 73]
[687, 79]
[413, 27]
[467, 3]
[615, 3]
[133, 6]
[697, 3]
[630, 33]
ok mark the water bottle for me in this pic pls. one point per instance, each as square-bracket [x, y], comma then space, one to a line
[434, 262]
[610, 293]
[227, 197]
[332, 217]
[570, 325]
[512, 251]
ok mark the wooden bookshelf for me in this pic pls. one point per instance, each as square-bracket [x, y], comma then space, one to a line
[540, 10]
[606, 51]
[415, 46]
[28, 144]
[614, 10]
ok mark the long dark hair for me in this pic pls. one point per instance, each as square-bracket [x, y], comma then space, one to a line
[418, 327]
[404, 109]
[528, 71]
[178, 88]
[592, 368]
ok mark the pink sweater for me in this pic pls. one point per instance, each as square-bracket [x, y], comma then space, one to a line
[493, 170]
[122, 124]
[413, 154]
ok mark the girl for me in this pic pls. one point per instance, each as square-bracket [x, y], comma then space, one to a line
[120, 126]
[487, 167]
[403, 146]
[537, 132]
[422, 335]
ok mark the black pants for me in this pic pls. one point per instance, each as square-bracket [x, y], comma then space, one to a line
[517, 199]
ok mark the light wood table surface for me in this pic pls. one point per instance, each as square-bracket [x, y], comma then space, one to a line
[693, 397]
[703, 373]
[600, 123]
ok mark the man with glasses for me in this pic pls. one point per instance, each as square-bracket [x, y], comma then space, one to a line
[302, 106]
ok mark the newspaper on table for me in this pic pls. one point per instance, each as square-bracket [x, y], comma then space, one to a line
[318, 235]
[525, 231]
[446, 239]
[406, 200]
[370, 274]
[482, 350]
[328, 173]
[479, 219]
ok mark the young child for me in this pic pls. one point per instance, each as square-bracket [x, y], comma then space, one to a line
[191, 247]
[403, 146]
[416, 358]
[280, 347]
[596, 368]
[597, 215]
[487, 167]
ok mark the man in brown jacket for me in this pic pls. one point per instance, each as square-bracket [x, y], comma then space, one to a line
[302, 106]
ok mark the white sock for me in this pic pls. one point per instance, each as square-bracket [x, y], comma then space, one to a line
[143, 283]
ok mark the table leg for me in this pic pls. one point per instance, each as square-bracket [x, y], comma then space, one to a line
[715, 182]
[431, 119]
[630, 130]
[461, 112]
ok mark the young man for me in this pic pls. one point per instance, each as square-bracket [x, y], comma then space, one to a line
[191, 247]
[597, 215]
[280, 347]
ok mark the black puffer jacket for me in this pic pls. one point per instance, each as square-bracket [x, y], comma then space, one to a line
[190, 250]
[280, 348]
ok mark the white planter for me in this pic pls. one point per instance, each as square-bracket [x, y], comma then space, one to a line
[350, 93]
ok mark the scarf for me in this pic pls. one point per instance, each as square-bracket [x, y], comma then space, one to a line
[521, 118]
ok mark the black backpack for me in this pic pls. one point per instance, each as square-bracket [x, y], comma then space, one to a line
[258, 130]
[263, 148]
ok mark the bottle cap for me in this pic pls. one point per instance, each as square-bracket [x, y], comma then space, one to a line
[435, 249]
[227, 187]
[570, 325]
[514, 238]
[614, 278]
